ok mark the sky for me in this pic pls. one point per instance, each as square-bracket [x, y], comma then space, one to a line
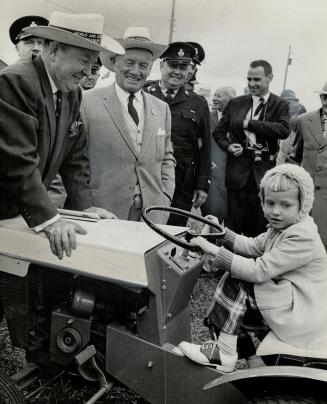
[232, 32]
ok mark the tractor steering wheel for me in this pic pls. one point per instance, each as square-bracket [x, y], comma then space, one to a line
[189, 233]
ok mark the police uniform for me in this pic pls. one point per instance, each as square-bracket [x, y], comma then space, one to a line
[16, 32]
[190, 135]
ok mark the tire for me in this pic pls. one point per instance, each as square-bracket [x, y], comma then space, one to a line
[9, 393]
[287, 399]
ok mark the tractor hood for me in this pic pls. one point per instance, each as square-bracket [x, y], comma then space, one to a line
[112, 249]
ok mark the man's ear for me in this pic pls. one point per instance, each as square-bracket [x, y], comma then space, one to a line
[53, 49]
[161, 64]
[270, 77]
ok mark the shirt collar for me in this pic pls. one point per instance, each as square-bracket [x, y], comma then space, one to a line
[164, 89]
[257, 99]
[123, 95]
[54, 88]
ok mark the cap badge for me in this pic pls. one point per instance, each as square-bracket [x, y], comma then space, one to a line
[33, 24]
[181, 53]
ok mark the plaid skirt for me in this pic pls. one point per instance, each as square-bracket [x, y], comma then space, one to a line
[232, 300]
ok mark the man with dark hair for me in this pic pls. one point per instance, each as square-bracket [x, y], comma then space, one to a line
[249, 131]
[190, 129]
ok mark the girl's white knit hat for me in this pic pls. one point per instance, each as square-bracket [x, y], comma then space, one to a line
[301, 177]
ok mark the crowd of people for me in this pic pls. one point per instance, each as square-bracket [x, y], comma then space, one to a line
[115, 150]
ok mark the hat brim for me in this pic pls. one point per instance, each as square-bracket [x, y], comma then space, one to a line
[63, 36]
[321, 92]
[155, 49]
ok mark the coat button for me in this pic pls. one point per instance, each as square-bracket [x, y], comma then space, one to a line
[317, 187]
[318, 169]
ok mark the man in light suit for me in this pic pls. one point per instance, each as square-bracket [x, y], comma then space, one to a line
[216, 203]
[249, 131]
[40, 127]
[311, 152]
[130, 151]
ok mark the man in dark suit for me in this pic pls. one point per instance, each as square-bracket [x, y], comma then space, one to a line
[249, 131]
[216, 203]
[40, 127]
[190, 132]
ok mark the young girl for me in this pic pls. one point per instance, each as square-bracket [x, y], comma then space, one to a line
[282, 273]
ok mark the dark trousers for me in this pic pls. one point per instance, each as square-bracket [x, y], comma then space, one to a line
[245, 214]
[184, 188]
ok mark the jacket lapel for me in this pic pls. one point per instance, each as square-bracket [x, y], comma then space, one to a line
[150, 123]
[61, 128]
[114, 109]
[181, 96]
[48, 97]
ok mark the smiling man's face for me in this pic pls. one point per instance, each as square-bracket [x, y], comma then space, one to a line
[69, 65]
[132, 69]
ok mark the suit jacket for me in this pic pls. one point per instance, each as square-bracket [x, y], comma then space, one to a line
[116, 166]
[190, 126]
[275, 126]
[34, 146]
[311, 151]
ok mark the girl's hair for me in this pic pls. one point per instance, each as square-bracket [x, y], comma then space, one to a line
[283, 177]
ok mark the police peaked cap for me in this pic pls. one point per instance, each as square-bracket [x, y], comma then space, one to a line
[181, 52]
[16, 32]
[199, 53]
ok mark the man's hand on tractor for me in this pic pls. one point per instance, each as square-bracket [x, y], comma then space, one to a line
[62, 237]
[103, 213]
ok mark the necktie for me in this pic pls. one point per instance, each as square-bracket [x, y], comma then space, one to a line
[259, 107]
[58, 103]
[131, 109]
[169, 96]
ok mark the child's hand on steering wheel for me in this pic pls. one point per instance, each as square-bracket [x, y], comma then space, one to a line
[208, 229]
[205, 245]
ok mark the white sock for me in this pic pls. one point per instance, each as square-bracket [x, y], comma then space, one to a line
[227, 343]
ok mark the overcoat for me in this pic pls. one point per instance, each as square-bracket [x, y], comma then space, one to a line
[116, 166]
[289, 271]
[34, 145]
[311, 150]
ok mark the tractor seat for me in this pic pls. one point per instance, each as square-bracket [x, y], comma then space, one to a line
[272, 345]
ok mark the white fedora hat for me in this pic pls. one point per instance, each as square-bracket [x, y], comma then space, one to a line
[323, 90]
[81, 30]
[135, 37]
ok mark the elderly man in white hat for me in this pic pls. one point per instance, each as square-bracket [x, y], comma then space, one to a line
[311, 153]
[130, 151]
[41, 131]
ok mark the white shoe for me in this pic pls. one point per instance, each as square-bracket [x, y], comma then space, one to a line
[208, 354]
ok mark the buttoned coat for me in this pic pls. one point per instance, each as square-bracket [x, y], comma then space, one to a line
[311, 152]
[190, 127]
[275, 126]
[289, 271]
[116, 166]
[34, 146]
